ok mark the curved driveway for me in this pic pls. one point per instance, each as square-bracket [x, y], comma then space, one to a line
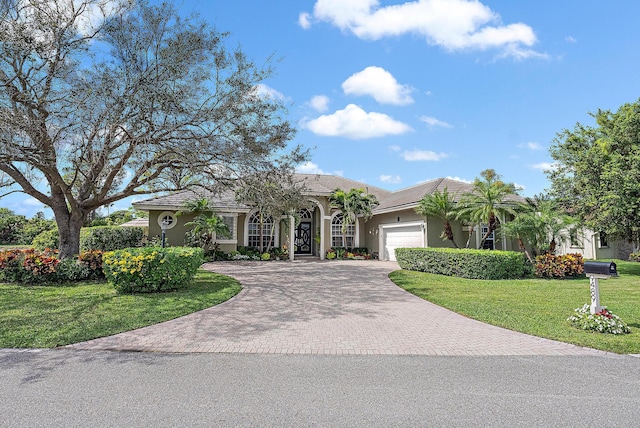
[314, 307]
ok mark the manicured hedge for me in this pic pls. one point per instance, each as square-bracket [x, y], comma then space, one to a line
[110, 238]
[151, 269]
[464, 263]
[103, 238]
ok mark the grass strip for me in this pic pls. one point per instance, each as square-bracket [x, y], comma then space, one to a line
[50, 316]
[539, 307]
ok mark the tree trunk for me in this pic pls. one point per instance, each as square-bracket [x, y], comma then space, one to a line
[491, 227]
[69, 225]
[471, 230]
[552, 246]
[449, 233]
[523, 248]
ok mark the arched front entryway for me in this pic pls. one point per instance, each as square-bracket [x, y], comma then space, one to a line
[303, 236]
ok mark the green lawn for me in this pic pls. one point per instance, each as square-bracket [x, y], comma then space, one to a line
[537, 306]
[46, 317]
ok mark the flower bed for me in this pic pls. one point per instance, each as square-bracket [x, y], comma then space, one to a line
[601, 322]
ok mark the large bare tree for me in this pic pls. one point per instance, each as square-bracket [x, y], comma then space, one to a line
[105, 99]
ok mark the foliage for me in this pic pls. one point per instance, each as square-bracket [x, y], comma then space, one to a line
[634, 257]
[145, 270]
[273, 194]
[102, 103]
[563, 266]
[46, 317]
[117, 218]
[464, 263]
[265, 257]
[601, 322]
[489, 202]
[110, 238]
[205, 227]
[441, 205]
[47, 239]
[597, 172]
[18, 230]
[356, 253]
[44, 267]
[352, 204]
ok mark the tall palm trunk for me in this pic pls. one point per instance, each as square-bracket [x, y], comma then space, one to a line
[448, 232]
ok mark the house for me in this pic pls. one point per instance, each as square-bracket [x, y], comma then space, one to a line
[394, 223]
[593, 245]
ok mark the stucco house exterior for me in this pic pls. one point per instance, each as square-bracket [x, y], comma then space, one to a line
[394, 223]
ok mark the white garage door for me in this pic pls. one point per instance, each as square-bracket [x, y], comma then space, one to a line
[401, 237]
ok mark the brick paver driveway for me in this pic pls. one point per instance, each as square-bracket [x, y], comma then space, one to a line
[314, 307]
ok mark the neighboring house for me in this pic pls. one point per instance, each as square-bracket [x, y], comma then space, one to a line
[394, 223]
[593, 245]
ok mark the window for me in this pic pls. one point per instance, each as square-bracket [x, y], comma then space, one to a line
[336, 233]
[230, 221]
[489, 242]
[254, 231]
[603, 240]
[168, 218]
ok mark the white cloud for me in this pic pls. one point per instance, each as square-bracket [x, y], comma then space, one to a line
[394, 179]
[531, 146]
[394, 148]
[571, 39]
[460, 179]
[380, 84]
[544, 166]
[355, 123]
[432, 121]
[268, 92]
[309, 168]
[451, 24]
[312, 168]
[519, 187]
[423, 155]
[304, 20]
[320, 103]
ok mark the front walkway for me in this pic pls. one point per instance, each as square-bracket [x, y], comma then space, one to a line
[314, 307]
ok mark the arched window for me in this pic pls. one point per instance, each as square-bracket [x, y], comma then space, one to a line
[336, 233]
[254, 231]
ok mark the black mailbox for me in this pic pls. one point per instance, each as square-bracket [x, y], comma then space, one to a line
[606, 269]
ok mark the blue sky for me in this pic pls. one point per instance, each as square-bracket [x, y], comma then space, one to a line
[394, 92]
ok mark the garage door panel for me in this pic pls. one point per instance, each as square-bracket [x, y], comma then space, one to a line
[400, 237]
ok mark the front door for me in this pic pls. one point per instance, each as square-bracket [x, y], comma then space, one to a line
[303, 238]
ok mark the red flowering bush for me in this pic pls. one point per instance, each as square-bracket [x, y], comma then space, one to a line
[43, 267]
[563, 266]
[40, 266]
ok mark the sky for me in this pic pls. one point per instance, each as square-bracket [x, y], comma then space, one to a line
[394, 93]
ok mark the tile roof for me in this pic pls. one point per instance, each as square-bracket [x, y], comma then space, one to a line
[322, 185]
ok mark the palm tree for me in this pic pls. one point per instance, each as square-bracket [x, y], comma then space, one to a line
[205, 224]
[487, 201]
[553, 224]
[443, 206]
[352, 204]
[524, 228]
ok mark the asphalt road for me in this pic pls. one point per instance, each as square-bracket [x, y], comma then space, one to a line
[67, 388]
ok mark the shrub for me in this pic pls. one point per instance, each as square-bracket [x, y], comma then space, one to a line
[46, 239]
[111, 238]
[11, 269]
[563, 266]
[265, 257]
[464, 263]
[145, 270]
[40, 267]
[634, 257]
[92, 261]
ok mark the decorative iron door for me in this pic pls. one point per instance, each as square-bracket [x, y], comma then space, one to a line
[303, 238]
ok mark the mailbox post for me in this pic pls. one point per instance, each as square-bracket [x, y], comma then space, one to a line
[596, 271]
